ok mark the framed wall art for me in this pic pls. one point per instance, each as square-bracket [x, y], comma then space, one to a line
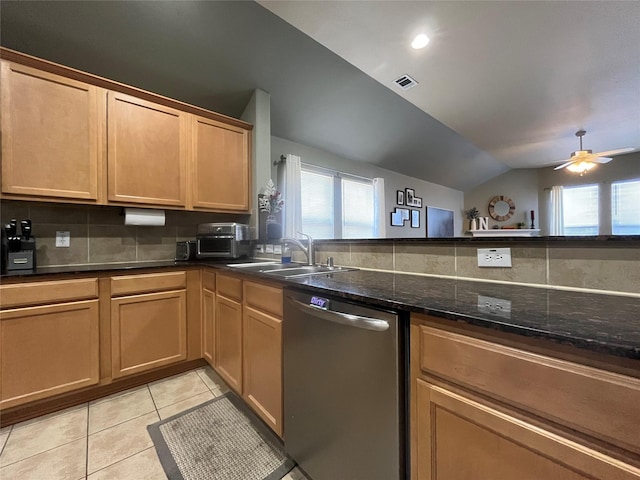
[409, 194]
[400, 197]
[439, 222]
[399, 216]
[415, 218]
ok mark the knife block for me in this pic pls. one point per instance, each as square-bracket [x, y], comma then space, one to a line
[23, 259]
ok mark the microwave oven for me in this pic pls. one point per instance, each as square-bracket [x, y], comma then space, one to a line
[222, 240]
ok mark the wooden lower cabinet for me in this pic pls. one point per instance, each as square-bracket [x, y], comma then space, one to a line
[208, 315]
[208, 325]
[148, 331]
[48, 350]
[262, 365]
[228, 341]
[484, 410]
[459, 438]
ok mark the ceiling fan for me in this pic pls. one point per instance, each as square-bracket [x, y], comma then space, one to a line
[584, 160]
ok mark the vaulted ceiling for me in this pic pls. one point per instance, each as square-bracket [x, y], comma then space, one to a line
[501, 85]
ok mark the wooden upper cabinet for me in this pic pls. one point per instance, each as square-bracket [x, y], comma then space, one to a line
[147, 152]
[220, 166]
[51, 135]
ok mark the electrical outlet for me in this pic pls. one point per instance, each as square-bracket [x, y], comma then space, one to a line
[277, 249]
[63, 239]
[494, 306]
[494, 257]
[268, 248]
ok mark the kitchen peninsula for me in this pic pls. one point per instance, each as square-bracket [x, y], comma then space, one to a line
[549, 336]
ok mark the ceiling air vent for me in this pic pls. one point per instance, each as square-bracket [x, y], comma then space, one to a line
[405, 82]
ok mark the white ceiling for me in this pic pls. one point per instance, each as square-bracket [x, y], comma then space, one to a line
[517, 79]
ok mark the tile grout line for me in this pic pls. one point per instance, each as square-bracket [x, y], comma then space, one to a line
[5, 442]
[153, 400]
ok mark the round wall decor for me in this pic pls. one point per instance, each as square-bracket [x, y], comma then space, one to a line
[501, 208]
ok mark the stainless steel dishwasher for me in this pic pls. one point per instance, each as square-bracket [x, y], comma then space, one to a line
[344, 388]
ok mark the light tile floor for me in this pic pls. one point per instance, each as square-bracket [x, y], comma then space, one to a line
[106, 439]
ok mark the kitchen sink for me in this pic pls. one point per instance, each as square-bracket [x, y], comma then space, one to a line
[305, 270]
[289, 270]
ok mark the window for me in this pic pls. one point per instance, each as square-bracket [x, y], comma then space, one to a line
[580, 210]
[336, 205]
[625, 207]
[357, 209]
[317, 204]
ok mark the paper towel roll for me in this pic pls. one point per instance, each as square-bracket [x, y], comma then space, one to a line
[143, 216]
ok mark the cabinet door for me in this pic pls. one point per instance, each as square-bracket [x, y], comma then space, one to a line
[228, 341]
[50, 135]
[147, 152]
[208, 325]
[459, 439]
[262, 366]
[48, 350]
[147, 331]
[220, 168]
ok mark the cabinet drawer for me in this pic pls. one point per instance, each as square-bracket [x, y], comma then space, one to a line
[230, 287]
[37, 293]
[263, 297]
[209, 280]
[152, 282]
[580, 397]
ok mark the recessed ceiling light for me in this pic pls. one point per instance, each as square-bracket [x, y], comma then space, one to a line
[420, 41]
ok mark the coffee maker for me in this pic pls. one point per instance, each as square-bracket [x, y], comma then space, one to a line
[20, 249]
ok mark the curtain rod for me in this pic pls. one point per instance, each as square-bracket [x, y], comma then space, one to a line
[282, 159]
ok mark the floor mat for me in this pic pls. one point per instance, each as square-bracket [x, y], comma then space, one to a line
[219, 440]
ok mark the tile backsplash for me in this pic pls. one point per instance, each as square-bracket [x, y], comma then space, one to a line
[98, 234]
[605, 266]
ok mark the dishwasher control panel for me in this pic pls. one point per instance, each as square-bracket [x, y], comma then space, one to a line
[319, 302]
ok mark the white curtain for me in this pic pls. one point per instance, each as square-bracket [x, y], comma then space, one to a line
[289, 181]
[379, 215]
[555, 209]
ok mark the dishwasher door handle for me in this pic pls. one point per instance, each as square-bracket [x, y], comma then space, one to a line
[342, 318]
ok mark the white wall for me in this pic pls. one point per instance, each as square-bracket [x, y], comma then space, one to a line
[432, 195]
[258, 112]
[519, 185]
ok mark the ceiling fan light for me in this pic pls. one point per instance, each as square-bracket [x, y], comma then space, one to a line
[581, 167]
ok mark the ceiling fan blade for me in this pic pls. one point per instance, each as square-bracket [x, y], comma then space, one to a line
[609, 153]
[564, 165]
[601, 160]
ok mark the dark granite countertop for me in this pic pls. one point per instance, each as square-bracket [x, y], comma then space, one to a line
[608, 324]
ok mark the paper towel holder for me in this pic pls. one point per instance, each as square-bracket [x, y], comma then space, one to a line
[143, 217]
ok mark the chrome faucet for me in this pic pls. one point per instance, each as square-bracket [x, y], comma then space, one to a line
[309, 250]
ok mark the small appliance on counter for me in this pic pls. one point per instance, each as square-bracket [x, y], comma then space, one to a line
[21, 249]
[186, 250]
[223, 240]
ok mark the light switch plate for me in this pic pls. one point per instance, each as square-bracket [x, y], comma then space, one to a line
[63, 239]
